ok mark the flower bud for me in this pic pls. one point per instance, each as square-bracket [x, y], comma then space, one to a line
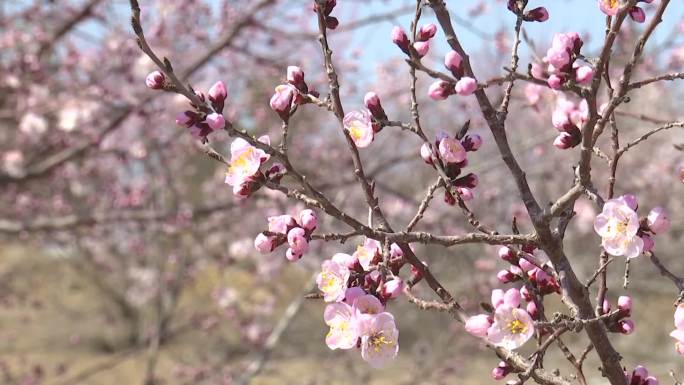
[426, 153]
[584, 75]
[500, 371]
[606, 306]
[308, 219]
[393, 288]
[186, 119]
[625, 304]
[497, 298]
[505, 276]
[295, 76]
[331, 22]
[372, 102]
[296, 238]
[453, 61]
[215, 121]
[426, 32]
[512, 298]
[282, 100]
[555, 82]
[292, 256]
[421, 47]
[658, 220]
[564, 141]
[477, 325]
[627, 326]
[466, 86]
[465, 193]
[155, 80]
[440, 90]
[539, 14]
[650, 380]
[532, 309]
[400, 39]
[508, 255]
[649, 244]
[264, 244]
[470, 181]
[639, 374]
[217, 95]
[472, 142]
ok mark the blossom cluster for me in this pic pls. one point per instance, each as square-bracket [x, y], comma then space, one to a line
[244, 172]
[620, 323]
[201, 124]
[285, 228]
[363, 125]
[560, 61]
[290, 95]
[465, 85]
[357, 290]
[509, 326]
[536, 275]
[623, 233]
[451, 152]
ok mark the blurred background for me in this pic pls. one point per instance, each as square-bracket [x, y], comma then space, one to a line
[125, 259]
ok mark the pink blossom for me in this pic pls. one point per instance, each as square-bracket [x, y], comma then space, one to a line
[295, 76]
[440, 90]
[352, 293]
[618, 225]
[332, 281]
[649, 244]
[512, 327]
[555, 82]
[263, 243]
[217, 95]
[400, 38]
[421, 47]
[360, 128]
[465, 193]
[466, 86]
[637, 14]
[497, 298]
[372, 101]
[533, 93]
[512, 298]
[281, 223]
[379, 338]
[500, 371]
[184, 119]
[426, 153]
[215, 121]
[296, 238]
[308, 219]
[393, 288]
[630, 200]
[478, 325]
[609, 7]
[245, 161]
[658, 220]
[426, 32]
[283, 100]
[342, 334]
[584, 75]
[451, 150]
[367, 304]
[346, 260]
[627, 326]
[367, 252]
[155, 80]
[453, 61]
[625, 304]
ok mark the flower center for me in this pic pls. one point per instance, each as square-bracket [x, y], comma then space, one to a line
[611, 3]
[378, 340]
[517, 327]
[355, 131]
[242, 161]
[618, 227]
[330, 282]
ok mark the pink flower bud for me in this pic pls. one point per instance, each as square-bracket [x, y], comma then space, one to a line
[426, 32]
[466, 86]
[295, 76]
[500, 371]
[421, 47]
[155, 80]
[185, 119]
[627, 326]
[372, 102]
[215, 121]
[472, 142]
[505, 276]
[465, 193]
[563, 141]
[440, 90]
[606, 306]
[308, 219]
[537, 71]
[331, 22]
[658, 221]
[264, 244]
[296, 238]
[639, 374]
[555, 82]
[282, 100]
[649, 244]
[584, 75]
[292, 256]
[217, 95]
[453, 61]
[477, 325]
[650, 380]
[507, 255]
[526, 265]
[637, 14]
[539, 14]
[451, 150]
[625, 304]
[393, 288]
[400, 39]
[532, 309]
[512, 298]
[426, 153]
[525, 293]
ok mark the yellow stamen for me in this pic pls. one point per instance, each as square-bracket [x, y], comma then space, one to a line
[378, 340]
[517, 327]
